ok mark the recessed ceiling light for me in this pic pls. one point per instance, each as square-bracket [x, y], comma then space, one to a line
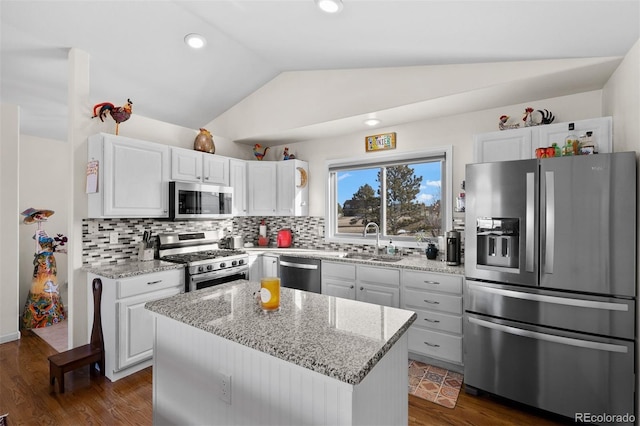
[371, 121]
[195, 41]
[329, 6]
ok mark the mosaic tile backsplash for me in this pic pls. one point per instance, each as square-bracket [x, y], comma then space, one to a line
[308, 233]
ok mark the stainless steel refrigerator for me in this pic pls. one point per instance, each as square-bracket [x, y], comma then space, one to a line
[550, 291]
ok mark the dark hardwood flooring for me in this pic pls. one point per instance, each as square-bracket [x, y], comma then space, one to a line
[26, 396]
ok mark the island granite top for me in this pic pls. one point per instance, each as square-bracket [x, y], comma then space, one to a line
[340, 338]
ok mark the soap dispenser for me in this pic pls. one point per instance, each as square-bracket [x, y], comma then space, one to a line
[391, 249]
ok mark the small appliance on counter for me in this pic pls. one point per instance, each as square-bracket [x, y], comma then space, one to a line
[453, 248]
[284, 238]
[233, 242]
[263, 241]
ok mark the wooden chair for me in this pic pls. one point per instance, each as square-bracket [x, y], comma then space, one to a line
[91, 354]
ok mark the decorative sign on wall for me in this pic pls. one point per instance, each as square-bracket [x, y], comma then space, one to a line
[380, 142]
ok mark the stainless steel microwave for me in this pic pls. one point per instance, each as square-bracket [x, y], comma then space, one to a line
[196, 201]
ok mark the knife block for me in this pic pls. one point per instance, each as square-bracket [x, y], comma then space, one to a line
[144, 253]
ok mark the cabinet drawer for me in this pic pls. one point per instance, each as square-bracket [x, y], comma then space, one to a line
[150, 282]
[438, 345]
[339, 270]
[379, 275]
[445, 283]
[432, 301]
[439, 321]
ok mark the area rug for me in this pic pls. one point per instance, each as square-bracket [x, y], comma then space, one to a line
[55, 335]
[434, 384]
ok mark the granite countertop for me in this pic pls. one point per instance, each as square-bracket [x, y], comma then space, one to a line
[339, 338]
[419, 263]
[131, 268]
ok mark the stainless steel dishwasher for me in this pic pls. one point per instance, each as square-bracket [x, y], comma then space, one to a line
[300, 273]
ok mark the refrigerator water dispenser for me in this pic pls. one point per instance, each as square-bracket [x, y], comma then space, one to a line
[498, 241]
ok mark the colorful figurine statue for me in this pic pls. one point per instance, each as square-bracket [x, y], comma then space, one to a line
[43, 306]
[119, 114]
[259, 152]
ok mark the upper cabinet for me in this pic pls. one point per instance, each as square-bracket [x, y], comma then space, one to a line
[278, 188]
[521, 143]
[195, 166]
[238, 181]
[133, 177]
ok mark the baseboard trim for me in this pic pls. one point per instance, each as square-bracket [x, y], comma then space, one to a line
[10, 337]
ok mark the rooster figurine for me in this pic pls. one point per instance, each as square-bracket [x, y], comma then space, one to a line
[259, 152]
[286, 155]
[119, 114]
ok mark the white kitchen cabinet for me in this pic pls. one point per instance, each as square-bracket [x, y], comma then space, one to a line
[238, 181]
[371, 284]
[261, 188]
[196, 166]
[521, 143]
[437, 300]
[255, 267]
[292, 188]
[133, 177]
[126, 325]
[269, 266]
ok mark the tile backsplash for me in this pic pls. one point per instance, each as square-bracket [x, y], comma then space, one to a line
[97, 250]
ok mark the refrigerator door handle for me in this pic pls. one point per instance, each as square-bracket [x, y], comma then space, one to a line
[549, 215]
[529, 227]
[566, 301]
[607, 347]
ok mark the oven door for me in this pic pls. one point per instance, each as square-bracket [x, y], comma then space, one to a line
[210, 279]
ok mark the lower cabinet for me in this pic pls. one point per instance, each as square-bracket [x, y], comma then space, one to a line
[365, 283]
[127, 326]
[437, 301]
[269, 266]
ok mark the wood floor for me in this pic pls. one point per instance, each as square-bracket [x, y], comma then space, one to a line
[26, 396]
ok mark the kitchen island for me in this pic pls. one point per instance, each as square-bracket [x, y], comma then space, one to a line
[218, 359]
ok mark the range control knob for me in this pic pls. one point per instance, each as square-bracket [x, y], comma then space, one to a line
[209, 267]
[241, 262]
[223, 265]
[234, 263]
[200, 268]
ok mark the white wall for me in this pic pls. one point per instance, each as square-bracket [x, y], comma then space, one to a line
[9, 220]
[456, 130]
[43, 167]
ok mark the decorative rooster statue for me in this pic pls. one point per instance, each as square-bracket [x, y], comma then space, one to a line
[119, 114]
[505, 123]
[259, 152]
[528, 117]
[286, 155]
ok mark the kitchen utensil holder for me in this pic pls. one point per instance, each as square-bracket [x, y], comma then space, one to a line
[145, 253]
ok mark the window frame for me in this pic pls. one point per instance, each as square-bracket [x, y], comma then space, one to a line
[407, 157]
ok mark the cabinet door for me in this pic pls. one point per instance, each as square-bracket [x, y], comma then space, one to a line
[215, 169]
[186, 165]
[135, 327]
[339, 288]
[255, 267]
[285, 188]
[261, 188]
[136, 178]
[378, 294]
[238, 181]
[514, 144]
[601, 128]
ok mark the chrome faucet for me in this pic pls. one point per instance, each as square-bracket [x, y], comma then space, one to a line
[364, 234]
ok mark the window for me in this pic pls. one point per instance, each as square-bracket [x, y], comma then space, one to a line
[404, 194]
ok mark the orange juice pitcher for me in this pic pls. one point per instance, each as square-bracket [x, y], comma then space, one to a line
[270, 293]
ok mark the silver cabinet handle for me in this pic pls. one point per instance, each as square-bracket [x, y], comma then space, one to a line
[351, 286]
[431, 282]
[361, 288]
[550, 337]
[433, 345]
[154, 282]
[433, 321]
[433, 302]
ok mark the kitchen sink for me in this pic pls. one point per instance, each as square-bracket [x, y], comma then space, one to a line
[372, 257]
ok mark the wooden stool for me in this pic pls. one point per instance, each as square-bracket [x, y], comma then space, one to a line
[91, 354]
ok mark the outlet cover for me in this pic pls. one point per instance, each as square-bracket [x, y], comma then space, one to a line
[92, 227]
[225, 389]
[113, 238]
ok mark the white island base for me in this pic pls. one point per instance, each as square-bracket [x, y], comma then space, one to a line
[194, 371]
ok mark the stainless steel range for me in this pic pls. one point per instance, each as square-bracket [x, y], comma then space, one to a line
[206, 264]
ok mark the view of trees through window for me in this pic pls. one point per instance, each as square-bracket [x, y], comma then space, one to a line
[411, 197]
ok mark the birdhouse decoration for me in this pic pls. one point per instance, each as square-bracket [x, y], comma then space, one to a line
[119, 114]
[44, 306]
[204, 142]
[259, 152]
